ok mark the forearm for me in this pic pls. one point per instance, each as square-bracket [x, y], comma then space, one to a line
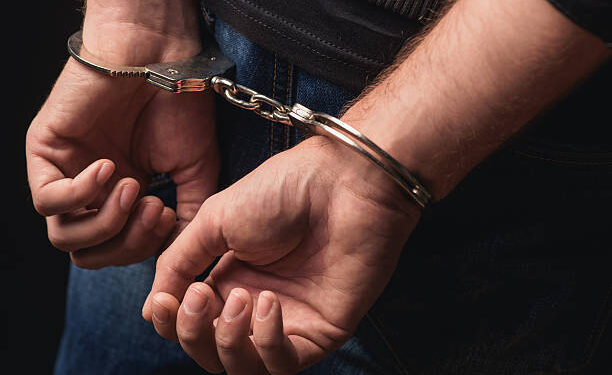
[137, 32]
[482, 73]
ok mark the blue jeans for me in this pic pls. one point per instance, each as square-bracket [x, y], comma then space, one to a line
[104, 332]
[508, 275]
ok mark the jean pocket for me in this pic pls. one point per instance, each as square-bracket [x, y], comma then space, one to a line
[563, 155]
[595, 350]
[516, 316]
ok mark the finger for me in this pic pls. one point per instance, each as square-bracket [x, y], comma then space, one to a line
[276, 350]
[70, 232]
[189, 255]
[194, 326]
[235, 348]
[145, 233]
[164, 308]
[54, 194]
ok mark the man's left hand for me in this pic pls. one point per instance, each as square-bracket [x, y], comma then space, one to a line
[316, 230]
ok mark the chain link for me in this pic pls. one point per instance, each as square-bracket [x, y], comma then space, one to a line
[261, 105]
[264, 106]
[321, 124]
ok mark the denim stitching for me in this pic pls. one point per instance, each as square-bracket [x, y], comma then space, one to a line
[289, 85]
[603, 321]
[599, 327]
[396, 358]
[563, 162]
[284, 129]
[312, 35]
[273, 96]
[243, 14]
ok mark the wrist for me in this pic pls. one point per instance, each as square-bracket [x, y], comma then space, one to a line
[140, 32]
[348, 171]
[406, 138]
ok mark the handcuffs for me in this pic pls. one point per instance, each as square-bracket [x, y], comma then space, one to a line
[205, 71]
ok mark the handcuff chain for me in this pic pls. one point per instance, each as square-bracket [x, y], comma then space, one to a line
[205, 70]
[261, 105]
[321, 124]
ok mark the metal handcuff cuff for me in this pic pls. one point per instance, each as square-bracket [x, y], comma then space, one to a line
[205, 71]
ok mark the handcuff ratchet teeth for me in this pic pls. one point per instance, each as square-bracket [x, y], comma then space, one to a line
[189, 75]
[206, 72]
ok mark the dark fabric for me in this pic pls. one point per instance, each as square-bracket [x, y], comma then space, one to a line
[510, 274]
[347, 42]
[104, 332]
[592, 15]
[416, 9]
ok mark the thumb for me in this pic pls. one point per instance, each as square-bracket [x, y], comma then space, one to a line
[194, 185]
[190, 254]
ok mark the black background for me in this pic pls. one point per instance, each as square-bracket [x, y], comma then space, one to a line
[32, 273]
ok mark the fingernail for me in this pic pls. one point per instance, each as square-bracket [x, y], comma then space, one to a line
[150, 215]
[233, 307]
[146, 307]
[106, 170]
[128, 195]
[195, 302]
[264, 305]
[160, 313]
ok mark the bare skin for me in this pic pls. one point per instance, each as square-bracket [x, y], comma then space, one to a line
[290, 227]
[309, 239]
[96, 142]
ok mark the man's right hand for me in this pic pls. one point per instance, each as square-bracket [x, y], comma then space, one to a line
[97, 140]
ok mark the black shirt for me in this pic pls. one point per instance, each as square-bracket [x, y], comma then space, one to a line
[347, 42]
[350, 41]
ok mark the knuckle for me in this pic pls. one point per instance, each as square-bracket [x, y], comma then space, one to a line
[83, 262]
[188, 336]
[174, 264]
[161, 263]
[266, 342]
[133, 248]
[59, 241]
[226, 343]
[40, 206]
[108, 228]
